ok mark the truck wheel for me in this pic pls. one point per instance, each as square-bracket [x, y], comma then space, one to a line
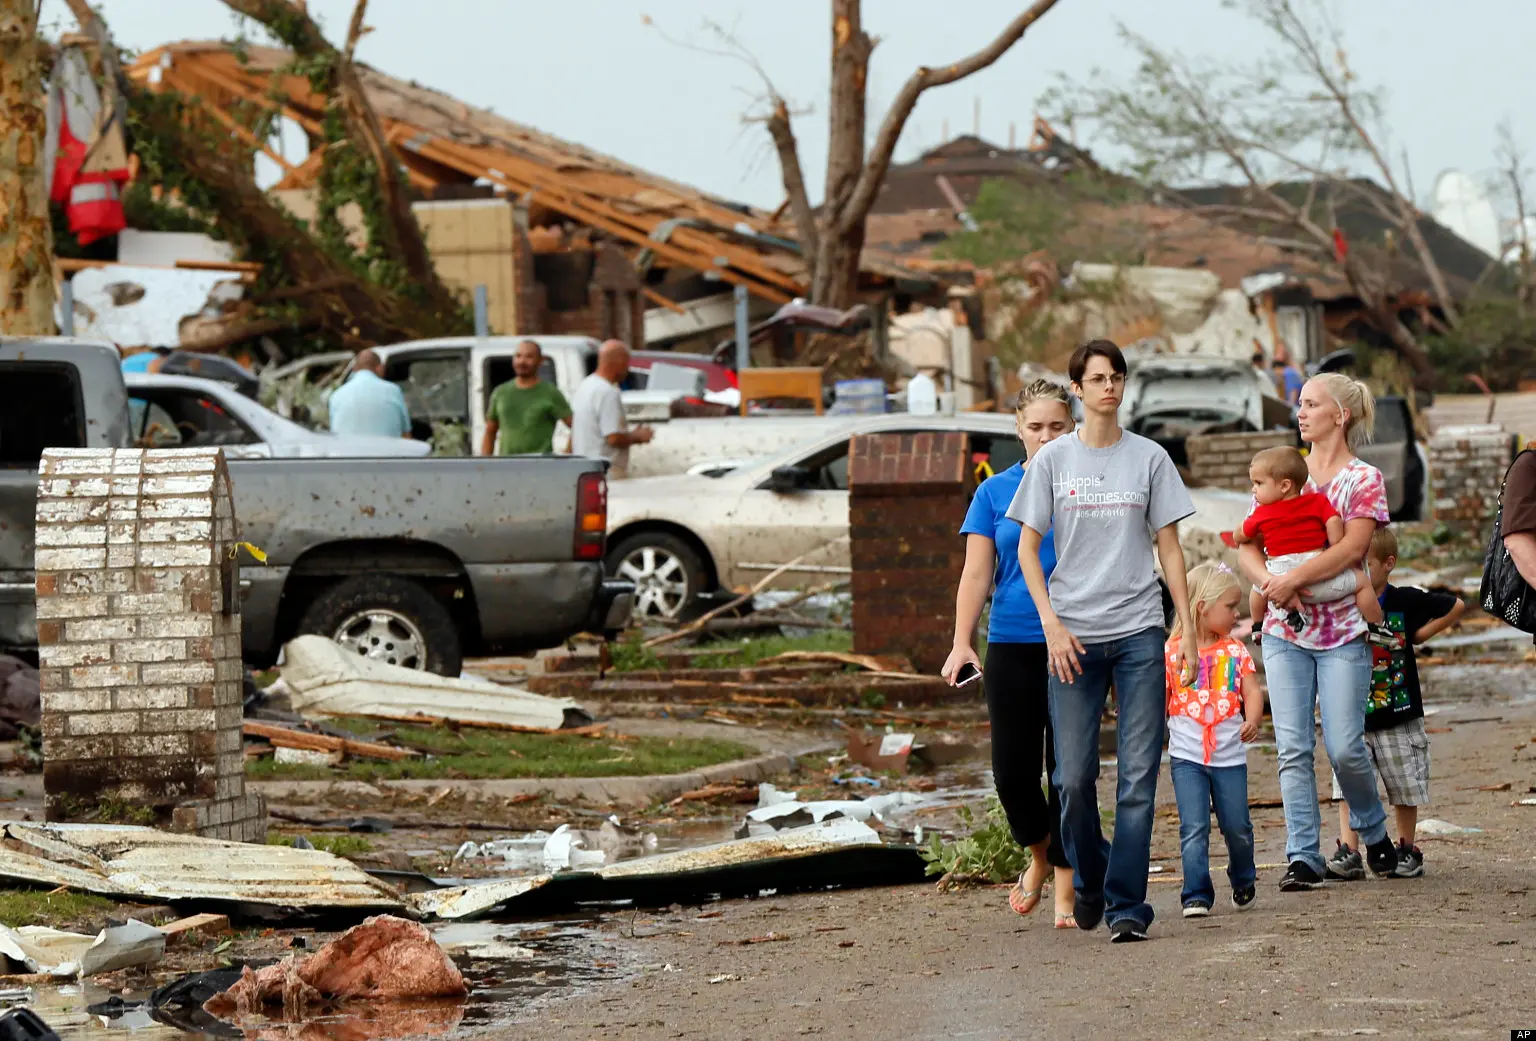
[388, 619]
[667, 573]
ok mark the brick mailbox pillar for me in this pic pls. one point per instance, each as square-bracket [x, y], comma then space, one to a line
[908, 494]
[138, 608]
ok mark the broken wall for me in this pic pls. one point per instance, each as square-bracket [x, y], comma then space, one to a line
[1466, 471]
[1222, 460]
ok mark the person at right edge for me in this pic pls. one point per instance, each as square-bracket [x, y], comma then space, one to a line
[1326, 666]
[1518, 524]
[1108, 494]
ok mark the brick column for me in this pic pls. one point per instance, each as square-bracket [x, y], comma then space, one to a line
[138, 608]
[908, 495]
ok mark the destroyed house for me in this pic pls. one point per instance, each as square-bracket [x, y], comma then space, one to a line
[569, 219]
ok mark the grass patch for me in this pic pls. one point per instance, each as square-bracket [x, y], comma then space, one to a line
[750, 652]
[471, 753]
[339, 845]
[632, 655]
[20, 907]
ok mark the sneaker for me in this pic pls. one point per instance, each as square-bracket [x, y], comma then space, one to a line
[1345, 864]
[1127, 930]
[1088, 914]
[1243, 898]
[1410, 862]
[1299, 877]
[1381, 636]
[1197, 909]
[1381, 857]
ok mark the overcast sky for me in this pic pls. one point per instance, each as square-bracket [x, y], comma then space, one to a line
[591, 71]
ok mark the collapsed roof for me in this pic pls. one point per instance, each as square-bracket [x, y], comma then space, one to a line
[442, 142]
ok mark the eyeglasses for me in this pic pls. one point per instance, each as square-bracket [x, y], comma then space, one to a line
[1100, 382]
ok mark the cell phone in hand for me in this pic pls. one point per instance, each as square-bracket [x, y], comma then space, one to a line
[968, 673]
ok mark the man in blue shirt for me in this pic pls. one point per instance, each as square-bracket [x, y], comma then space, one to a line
[367, 404]
[146, 361]
[1287, 381]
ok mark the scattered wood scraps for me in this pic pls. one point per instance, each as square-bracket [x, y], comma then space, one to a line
[718, 793]
[286, 737]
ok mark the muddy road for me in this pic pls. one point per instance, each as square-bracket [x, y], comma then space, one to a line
[1449, 955]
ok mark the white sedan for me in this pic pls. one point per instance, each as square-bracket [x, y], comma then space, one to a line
[186, 411]
[689, 535]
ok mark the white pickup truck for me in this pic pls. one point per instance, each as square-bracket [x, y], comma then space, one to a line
[450, 381]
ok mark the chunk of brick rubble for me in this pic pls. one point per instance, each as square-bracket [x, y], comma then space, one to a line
[383, 959]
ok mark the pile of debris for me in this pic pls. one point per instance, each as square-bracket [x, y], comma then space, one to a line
[320, 681]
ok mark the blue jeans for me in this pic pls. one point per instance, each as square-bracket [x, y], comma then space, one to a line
[1198, 789]
[1338, 680]
[1111, 875]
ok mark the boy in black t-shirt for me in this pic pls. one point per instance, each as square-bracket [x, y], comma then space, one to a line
[1394, 710]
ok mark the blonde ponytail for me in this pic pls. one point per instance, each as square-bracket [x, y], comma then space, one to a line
[1352, 397]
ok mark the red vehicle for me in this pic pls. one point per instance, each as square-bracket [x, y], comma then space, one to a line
[718, 377]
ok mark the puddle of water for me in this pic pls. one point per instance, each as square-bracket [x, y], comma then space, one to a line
[512, 970]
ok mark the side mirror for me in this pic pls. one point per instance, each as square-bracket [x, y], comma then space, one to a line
[787, 479]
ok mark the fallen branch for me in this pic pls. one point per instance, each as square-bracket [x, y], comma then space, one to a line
[763, 583]
[283, 737]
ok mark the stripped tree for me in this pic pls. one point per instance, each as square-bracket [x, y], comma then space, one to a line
[1298, 114]
[832, 239]
[26, 236]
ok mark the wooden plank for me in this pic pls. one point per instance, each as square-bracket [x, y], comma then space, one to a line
[662, 301]
[283, 737]
[70, 265]
[197, 927]
[250, 267]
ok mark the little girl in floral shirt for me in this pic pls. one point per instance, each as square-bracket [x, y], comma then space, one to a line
[1209, 723]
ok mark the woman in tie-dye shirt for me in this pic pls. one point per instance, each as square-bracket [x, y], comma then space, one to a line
[1329, 663]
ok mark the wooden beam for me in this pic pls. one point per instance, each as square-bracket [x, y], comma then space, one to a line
[661, 301]
[171, 79]
[70, 265]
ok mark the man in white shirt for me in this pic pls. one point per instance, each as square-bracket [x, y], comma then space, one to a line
[598, 426]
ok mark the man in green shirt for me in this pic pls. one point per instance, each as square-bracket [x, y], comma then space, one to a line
[524, 410]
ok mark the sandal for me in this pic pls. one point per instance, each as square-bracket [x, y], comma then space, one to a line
[1022, 900]
[1066, 921]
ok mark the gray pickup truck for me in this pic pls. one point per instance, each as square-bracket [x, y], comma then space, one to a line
[413, 561]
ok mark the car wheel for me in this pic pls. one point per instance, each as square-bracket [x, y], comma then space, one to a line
[667, 573]
[388, 619]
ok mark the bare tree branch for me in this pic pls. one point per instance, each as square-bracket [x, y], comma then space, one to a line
[794, 179]
[355, 30]
[879, 159]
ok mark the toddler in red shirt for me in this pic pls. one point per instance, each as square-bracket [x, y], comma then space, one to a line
[1293, 525]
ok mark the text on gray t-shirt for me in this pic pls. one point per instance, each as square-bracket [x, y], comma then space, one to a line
[1105, 505]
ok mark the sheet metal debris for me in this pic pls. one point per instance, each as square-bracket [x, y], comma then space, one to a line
[836, 852]
[325, 680]
[57, 953]
[154, 866]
